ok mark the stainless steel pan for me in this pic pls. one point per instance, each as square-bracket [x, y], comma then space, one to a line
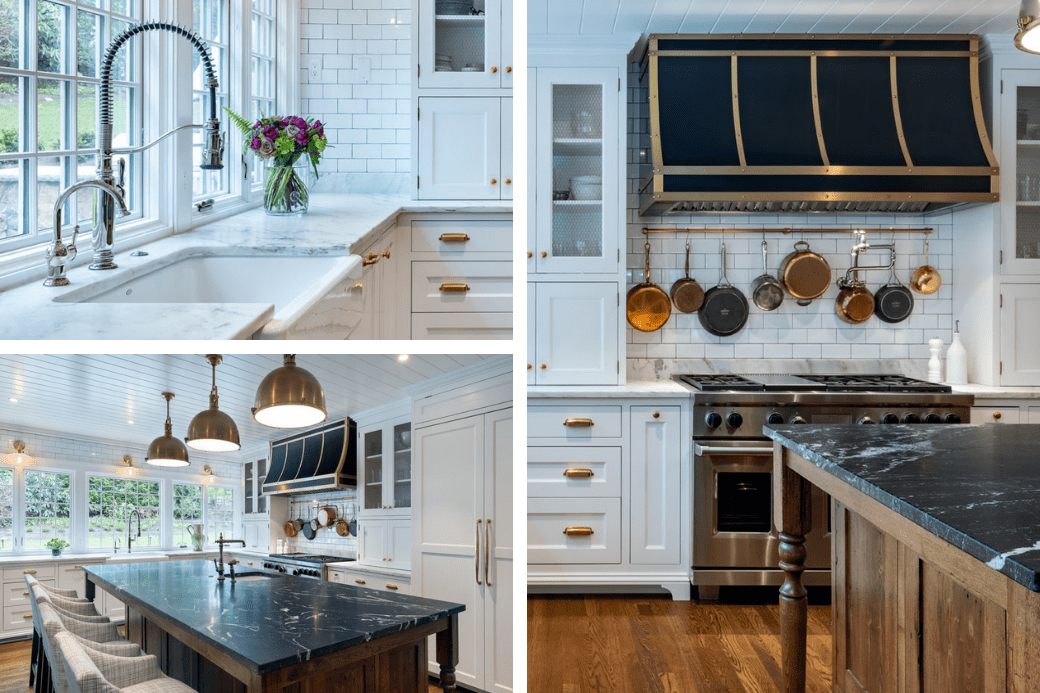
[766, 291]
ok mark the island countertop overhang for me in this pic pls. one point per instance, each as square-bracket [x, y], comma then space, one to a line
[265, 625]
[974, 486]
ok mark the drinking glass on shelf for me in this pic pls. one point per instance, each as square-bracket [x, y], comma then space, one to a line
[1026, 187]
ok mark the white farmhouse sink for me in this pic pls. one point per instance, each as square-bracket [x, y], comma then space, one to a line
[297, 286]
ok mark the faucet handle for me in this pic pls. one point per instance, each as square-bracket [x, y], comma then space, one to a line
[121, 185]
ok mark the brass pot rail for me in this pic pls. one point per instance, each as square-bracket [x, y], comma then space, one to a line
[789, 231]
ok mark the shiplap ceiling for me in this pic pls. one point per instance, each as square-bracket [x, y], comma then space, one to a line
[598, 17]
[97, 395]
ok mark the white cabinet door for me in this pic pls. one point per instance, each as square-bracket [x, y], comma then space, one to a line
[250, 533]
[506, 23]
[463, 51]
[112, 607]
[577, 334]
[532, 322]
[656, 464]
[1020, 166]
[578, 140]
[498, 551]
[1019, 334]
[507, 149]
[399, 544]
[995, 415]
[532, 183]
[372, 542]
[449, 507]
[460, 155]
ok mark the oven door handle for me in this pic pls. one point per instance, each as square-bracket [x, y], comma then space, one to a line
[702, 450]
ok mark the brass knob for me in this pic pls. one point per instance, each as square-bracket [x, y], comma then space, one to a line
[390, 559]
[529, 255]
[494, 70]
[509, 181]
[996, 415]
[387, 254]
[657, 415]
[545, 254]
[509, 68]
[494, 181]
[544, 366]
[333, 575]
[529, 366]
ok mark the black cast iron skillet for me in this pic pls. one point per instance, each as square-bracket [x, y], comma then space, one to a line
[725, 308]
[893, 302]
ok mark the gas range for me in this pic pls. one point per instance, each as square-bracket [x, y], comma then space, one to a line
[737, 406]
[315, 567]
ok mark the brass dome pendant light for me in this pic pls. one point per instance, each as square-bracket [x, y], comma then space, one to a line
[167, 451]
[212, 430]
[289, 397]
[1028, 37]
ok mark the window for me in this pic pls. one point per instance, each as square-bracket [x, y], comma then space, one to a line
[187, 510]
[263, 70]
[220, 512]
[6, 510]
[47, 498]
[110, 502]
[210, 21]
[48, 109]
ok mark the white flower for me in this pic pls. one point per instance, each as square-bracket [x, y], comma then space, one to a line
[292, 131]
[267, 149]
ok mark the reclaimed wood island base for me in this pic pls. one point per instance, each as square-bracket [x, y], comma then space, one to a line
[928, 593]
[280, 634]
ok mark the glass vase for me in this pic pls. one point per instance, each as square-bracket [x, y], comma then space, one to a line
[286, 189]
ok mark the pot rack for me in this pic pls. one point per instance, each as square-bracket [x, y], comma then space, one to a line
[789, 231]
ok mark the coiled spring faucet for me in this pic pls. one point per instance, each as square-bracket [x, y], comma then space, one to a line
[102, 235]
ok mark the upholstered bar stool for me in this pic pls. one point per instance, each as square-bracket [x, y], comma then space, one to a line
[83, 608]
[51, 675]
[89, 671]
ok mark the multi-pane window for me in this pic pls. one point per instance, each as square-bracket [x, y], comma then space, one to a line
[187, 510]
[220, 512]
[47, 501]
[6, 510]
[110, 505]
[48, 109]
[210, 21]
[263, 70]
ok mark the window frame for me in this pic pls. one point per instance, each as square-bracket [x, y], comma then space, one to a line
[86, 507]
[20, 507]
[174, 483]
[232, 509]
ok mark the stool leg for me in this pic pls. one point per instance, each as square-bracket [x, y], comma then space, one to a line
[35, 657]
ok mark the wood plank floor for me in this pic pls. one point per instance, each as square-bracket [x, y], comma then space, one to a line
[600, 644]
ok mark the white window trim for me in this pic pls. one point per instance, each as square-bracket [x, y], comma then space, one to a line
[19, 507]
[84, 540]
[235, 512]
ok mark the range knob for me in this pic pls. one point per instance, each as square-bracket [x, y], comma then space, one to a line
[912, 419]
[932, 418]
[295, 571]
[714, 419]
[775, 418]
[798, 420]
[952, 418]
[866, 420]
[889, 419]
[733, 420]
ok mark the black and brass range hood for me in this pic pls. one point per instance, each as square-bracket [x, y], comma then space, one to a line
[802, 123]
[316, 460]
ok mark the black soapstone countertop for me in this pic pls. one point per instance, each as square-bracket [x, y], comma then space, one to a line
[266, 624]
[974, 486]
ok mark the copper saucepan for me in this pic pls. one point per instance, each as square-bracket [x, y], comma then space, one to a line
[648, 305]
[805, 274]
[855, 303]
[926, 279]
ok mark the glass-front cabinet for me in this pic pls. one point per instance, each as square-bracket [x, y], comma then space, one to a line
[386, 469]
[463, 44]
[253, 476]
[1020, 172]
[578, 193]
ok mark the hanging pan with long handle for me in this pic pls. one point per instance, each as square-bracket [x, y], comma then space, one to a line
[766, 291]
[687, 294]
[893, 302]
[725, 309]
[926, 279]
[805, 274]
[290, 526]
[648, 306]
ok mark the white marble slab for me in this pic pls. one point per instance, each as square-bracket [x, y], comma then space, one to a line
[357, 567]
[337, 224]
[635, 389]
[65, 557]
[984, 392]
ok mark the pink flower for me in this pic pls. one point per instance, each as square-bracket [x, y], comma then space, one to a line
[255, 143]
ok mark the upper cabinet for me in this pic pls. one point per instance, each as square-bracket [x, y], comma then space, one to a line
[465, 44]
[1020, 169]
[253, 476]
[385, 466]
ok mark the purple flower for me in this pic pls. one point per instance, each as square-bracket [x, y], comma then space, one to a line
[255, 143]
[288, 120]
[316, 125]
[271, 132]
[319, 133]
[302, 137]
[258, 125]
[299, 122]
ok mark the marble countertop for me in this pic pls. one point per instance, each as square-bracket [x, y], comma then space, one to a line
[997, 391]
[335, 225]
[631, 389]
[267, 624]
[357, 567]
[67, 557]
[974, 486]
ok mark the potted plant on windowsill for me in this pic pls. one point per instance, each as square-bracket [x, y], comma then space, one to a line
[56, 545]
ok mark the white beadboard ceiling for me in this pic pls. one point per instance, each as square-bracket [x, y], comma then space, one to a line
[598, 17]
[97, 395]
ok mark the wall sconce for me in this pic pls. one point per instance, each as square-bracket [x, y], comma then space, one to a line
[19, 456]
[128, 466]
[210, 476]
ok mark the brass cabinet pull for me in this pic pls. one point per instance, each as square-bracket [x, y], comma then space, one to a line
[25, 594]
[249, 563]
[75, 567]
[476, 554]
[509, 68]
[494, 70]
[391, 587]
[509, 181]
[579, 423]
[359, 581]
[996, 415]
[386, 254]
[27, 616]
[545, 254]
[657, 415]
[529, 255]
[453, 238]
[578, 531]
[454, 287]
[579, 473]
[28, 572]
[494, 181]
[544, 366]
[369, 259]
[487, 552]
[529, 366]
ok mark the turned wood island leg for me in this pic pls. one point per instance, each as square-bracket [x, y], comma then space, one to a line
[448, 652]
[793, 518]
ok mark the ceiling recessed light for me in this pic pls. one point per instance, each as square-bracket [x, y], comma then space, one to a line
[402, 358]
[12, 399]
[131, 422]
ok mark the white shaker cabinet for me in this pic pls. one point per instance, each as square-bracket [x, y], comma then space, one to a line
[656, 485]
[573, 328]
[1019, 334]
[460, 153]
[464, 50]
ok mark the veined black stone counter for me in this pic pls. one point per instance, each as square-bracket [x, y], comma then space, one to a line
[269, 624]
[974, 486]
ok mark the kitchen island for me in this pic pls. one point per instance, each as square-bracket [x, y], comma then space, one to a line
[280, 633]
[935, 554]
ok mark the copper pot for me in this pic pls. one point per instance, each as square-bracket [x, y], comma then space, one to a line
[648, 306]
[926, 279]
[805, 274]
[687, 294]
[855, 303]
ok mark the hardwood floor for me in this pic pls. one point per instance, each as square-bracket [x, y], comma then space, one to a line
[14, 668]
[600, 644]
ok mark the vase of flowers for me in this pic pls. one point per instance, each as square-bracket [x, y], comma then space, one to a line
[56, 545]
[290, 148]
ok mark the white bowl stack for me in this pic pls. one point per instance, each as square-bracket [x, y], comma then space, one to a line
[587, 188]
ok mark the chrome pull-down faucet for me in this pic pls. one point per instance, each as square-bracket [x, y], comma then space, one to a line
[102, 235]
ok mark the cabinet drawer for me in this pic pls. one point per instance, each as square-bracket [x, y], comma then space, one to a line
[457, 240]
[371, 581]
[995, 415]
[548, 518]
[38, 571]
[17, 618]
[574, 472]
[72, 577]
[489, 287]
[16, 593]
[462, 326]
[550, 422]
